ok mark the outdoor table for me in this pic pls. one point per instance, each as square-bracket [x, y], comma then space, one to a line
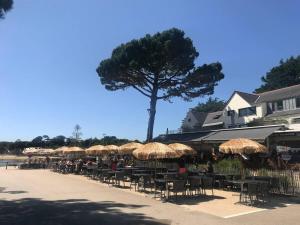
[167, 174]
[163, 182]
[143, 171]
[196, 177]
[141, 174]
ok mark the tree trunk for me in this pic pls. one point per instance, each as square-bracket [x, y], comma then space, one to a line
[152, 112]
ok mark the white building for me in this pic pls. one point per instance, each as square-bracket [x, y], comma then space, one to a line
[281, 106]
[277, 106]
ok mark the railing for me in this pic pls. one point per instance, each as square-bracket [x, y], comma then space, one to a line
[282, 181]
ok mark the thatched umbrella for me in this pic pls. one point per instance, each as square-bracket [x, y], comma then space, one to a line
[46, 151]
[97, 150]
[31, 151]
[242, 146]
[182, 149]
[59, 151]
[73, 151]
[155, 150]
[129, 147]
[111, 149]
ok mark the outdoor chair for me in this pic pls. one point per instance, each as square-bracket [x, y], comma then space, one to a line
[117, 178]
[161, 187]
[208, 183]
[183, 176]
[145, 182]
[263, 191]
[133, 181]
[275, 185]
[252, 191]
[194, 185]
[105, 176]
[179, 186]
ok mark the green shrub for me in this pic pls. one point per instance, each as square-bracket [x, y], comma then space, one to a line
[228, 166]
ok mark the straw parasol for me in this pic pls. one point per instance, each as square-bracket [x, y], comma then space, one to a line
[97, 150]
[31, 151]
[129, 147]
[46, 151]
[59, 150]
[182, 149]
[111, 148]
[242, 146]
[73, 150]
[155, 150]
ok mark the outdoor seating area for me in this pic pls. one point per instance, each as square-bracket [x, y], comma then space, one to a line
[166, 184]
[159, 171]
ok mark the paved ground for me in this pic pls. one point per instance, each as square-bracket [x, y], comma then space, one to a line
[43, 197]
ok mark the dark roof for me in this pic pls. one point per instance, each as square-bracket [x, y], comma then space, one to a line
[253, 133]
[283, 93]
[214, 118]
[250, 98]
[283, 113]
[180, 137]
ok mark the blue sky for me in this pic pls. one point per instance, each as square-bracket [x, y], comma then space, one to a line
[50, 50]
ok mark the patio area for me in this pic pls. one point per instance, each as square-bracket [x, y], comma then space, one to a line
[30, 195]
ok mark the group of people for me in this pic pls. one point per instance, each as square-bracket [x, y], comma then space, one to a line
[111, 162]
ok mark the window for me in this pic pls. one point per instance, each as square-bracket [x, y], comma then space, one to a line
[279, 105]
[217, 117]
[247, 111]
[298, 102]
[230, 112]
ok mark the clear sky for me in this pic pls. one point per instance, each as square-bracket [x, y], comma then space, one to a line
[50, 49]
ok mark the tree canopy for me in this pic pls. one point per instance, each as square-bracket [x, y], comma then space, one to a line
[5, 6]
[286, 74]
[18, 146]
[159, 66]
[211, 105]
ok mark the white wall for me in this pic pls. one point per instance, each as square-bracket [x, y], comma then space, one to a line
[189, 121]
[236, 103]
[292, 125]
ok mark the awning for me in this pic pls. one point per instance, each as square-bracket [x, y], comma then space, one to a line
[181, 137]
[253, 133]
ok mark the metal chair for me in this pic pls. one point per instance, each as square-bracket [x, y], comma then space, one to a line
[145, 182]
[208, 183]
[179, 186]
[194, 185]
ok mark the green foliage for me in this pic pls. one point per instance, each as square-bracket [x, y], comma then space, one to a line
[211, 105]
[18, 146]
[160, 67]
[5, 6]
[228, 166]
[284, 75]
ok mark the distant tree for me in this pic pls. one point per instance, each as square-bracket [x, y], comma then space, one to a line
[58, 141]
[211, 105]
[5, 6]
[37, 141]
[77, 132]
[284, 75]
[160, 67]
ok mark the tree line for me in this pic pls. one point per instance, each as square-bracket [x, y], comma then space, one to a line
[45, 141]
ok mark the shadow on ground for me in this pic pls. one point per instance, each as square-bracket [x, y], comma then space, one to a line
[2, 190]
[192, 200]
[29, 211]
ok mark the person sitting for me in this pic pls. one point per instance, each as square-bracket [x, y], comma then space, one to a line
[182, 168]
[113, 164]
[210, 168]
[120, 164]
